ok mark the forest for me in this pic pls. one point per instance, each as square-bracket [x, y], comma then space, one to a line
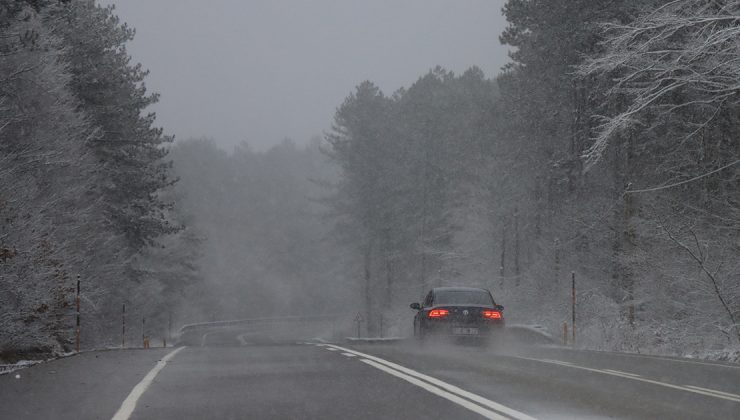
[606, 151]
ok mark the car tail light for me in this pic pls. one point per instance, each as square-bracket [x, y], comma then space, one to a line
[438, 313]
[492, 314]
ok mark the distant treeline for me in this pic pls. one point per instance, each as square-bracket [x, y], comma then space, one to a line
[607, 150]
[84, 183]
[267, 249]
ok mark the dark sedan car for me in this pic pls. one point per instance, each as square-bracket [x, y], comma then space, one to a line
[458, 312]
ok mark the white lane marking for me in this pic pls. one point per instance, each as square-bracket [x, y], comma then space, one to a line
[621, 373]
[444, 385]
[331, 349]
[667, 359]
[696, 390]
[348, 355]
[557, 361]
[203, 339]
[242, 340]
[713, 391]
[437, 391]
[129, 404]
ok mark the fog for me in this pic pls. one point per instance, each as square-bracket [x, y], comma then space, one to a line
[370, 209]
[262, 70]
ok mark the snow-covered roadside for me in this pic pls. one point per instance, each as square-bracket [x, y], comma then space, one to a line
[726, 355]
[12, 367]
[729, 355]
[373, 339]
[22, 364]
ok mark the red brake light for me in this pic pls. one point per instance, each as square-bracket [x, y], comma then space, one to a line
[492, 314]
[438, 313]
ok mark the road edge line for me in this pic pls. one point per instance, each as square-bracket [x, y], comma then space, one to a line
[635, 377]
[129, 404]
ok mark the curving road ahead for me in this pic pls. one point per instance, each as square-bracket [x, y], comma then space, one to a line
[237, 378]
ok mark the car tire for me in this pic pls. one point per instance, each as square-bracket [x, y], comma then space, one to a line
[418, 332]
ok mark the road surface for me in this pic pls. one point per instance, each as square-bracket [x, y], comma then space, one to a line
[238, 379]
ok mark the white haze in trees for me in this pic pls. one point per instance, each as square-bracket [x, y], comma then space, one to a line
[607, 149]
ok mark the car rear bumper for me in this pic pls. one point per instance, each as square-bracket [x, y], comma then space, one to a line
[463, 330]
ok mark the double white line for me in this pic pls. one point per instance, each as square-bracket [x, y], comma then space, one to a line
[473, 402]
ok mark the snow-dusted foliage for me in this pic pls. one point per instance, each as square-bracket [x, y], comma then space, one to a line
[46, 172]
[670, 99]
[405, 170]
[607, 153]
[83, 174]
[679, 60]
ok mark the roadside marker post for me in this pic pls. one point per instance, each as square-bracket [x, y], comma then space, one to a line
[573, 307]
[565, 333]
[123, 327]
[77, 304]
[358, 320]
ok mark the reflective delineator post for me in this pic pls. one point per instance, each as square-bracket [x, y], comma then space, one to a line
[77, 304]
[143, 332]
[123, 326]
[565, 333]
[358, 320]
[573, 307]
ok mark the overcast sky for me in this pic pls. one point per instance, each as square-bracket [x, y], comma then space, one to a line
[262, 70]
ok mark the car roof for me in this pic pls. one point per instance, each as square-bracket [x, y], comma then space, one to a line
[459, 289]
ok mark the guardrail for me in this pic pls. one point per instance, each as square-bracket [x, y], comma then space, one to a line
[251, 321]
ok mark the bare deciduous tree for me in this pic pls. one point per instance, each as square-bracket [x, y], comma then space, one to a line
[684, 56]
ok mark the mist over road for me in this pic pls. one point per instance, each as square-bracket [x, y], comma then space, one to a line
[230, 378]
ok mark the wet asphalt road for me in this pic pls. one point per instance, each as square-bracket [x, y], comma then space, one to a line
[372, 381]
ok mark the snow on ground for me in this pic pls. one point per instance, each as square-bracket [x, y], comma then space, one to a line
[726, 355]
[373, 339]
[12, 367]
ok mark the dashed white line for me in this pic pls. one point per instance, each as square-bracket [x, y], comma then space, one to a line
[621, 373]
[428, 381]
[635, 377]
[242, 340]
[129, 404]
[714, 391]
[348, 355]
[671, 359]
[330, 349]
[557, 361]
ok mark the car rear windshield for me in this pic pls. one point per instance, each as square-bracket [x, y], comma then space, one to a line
[462, 297]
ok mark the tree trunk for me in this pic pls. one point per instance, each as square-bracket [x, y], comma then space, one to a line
[502, 266]
[517, 269]
[368, 286]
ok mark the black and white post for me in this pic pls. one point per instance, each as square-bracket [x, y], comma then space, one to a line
[573, 307]
[123, 327]
[77, 328]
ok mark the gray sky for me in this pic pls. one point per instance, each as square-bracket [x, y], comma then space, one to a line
[263, 70]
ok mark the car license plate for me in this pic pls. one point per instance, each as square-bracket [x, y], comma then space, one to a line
[464, 331]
